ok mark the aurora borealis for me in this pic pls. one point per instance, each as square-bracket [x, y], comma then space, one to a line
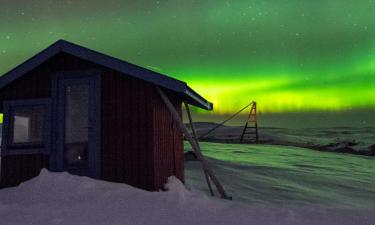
[289, 55]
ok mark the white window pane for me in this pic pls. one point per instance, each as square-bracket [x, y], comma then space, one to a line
[28, 125]
[76, 125]
[76, 113]
[21, 129]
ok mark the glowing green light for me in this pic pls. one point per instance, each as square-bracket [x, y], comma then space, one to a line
[297, 56]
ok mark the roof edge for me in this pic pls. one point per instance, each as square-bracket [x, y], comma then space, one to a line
[111, 62]
[203, 103]
[30, 63]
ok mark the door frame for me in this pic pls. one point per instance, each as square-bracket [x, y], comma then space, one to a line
[59, 81]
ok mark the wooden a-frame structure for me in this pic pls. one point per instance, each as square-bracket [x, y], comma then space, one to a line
[209, 173]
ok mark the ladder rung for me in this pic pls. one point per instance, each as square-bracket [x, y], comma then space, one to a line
[250, 130]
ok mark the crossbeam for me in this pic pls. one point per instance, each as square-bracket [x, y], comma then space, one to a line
[196, 148]
[196, 141]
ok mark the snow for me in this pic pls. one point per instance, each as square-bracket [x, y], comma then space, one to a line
[61, 198]
[270, 184]
[338, 139]
[273, 175]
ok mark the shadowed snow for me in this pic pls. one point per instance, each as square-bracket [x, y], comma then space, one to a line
[61, 198]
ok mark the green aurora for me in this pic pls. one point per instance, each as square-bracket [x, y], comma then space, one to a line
[288, 55]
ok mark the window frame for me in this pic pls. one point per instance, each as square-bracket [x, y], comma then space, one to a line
[59, 81]
[9, 148]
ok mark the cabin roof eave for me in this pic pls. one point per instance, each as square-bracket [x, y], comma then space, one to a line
[124, 67]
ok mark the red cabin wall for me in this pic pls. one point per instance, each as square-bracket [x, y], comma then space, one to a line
[18, 168]
[126, 130]
[140, 146]
[140, 143]
[168, 142]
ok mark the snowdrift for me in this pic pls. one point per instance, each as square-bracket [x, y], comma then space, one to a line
[61, 198]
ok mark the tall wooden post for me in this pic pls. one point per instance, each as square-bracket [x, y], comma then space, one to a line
[197, 142]
[196, 148]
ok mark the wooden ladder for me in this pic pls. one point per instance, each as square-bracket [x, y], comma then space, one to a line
[251, 126]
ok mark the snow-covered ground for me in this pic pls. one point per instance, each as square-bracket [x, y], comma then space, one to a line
[284, 176]
[61, 198]
[270, 184]
[339, 139]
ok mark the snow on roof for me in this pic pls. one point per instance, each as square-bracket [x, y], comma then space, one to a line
[61, 198]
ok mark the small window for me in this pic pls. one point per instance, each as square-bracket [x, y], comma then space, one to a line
[27, 124]
[26, 127]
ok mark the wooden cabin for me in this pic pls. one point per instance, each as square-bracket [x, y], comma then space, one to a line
[70, 108]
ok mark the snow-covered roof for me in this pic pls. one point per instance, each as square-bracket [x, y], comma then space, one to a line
[124, 67]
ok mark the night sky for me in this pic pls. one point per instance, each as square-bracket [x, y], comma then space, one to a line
[288, 55]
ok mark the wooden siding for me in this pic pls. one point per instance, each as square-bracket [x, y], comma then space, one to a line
[168, 142]
[126, 130]
[18, 168]
[35, 84]
[141, 145]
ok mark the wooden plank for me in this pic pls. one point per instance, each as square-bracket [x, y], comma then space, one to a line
[197, 142]
[19, 168]
[196, 148]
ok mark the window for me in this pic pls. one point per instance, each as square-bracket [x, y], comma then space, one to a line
[76, 125]
[26, 126]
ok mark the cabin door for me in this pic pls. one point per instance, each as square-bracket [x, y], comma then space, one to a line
[77, 114]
